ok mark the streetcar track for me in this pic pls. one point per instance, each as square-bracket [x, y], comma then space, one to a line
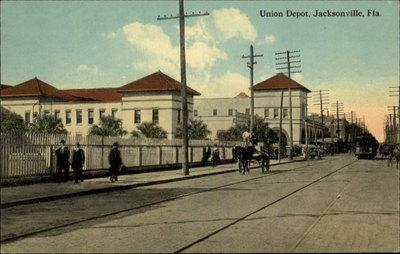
[24, 235]
[260, 209]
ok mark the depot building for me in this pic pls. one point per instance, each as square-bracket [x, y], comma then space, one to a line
[154, 98]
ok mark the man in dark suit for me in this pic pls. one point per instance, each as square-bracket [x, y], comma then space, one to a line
[78, 159]
[115, 161]
[62, 157]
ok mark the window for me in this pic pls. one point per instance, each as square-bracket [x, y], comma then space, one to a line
[57, 114]
[102, 113]
[215, 112]
[230, 112]
[27, 117]
[266, 113]
[179, 115]
[46, 112]
[114, 113]
[137, 116]
[155, 116]
[90, 116]
[247, 111]
[276, 114]
[195, 112]
[78, 116]
[68, 117]
[285, 112]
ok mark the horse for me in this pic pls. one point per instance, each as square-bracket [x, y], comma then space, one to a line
[246, 154]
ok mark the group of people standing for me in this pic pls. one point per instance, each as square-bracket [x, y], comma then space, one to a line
[77, 161]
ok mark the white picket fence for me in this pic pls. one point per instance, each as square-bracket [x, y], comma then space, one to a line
[33, 154]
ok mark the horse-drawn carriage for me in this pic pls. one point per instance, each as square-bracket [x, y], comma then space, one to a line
[248, 154]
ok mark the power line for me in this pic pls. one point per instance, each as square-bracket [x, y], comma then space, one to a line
[288, 56]
[251, 67]
[185, 139]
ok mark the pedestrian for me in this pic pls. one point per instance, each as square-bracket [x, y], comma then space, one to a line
[206, 155]
[215, 156]
[115, 162]
[62, 165]
[78, 160]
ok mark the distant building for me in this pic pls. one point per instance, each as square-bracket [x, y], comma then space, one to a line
[222, 113]
[218, 113]
[267, 99]
[153, 98]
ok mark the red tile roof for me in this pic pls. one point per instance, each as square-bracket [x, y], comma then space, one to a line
[279, 82]
[35, 87]
[4, 86]
[96, 94]
[242, 95]
[156, 82]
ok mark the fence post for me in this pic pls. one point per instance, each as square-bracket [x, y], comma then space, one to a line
[223, 153]
[176, 154]
[102, 152]
[140, 156]
[51, 160]
[160, 155]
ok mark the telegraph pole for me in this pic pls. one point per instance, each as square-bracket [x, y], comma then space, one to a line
[338, 106]
[395, 129]
[289, 70]
[280, 128]
[306, 128]
[251, 67]
[185, 140]
[321, 99]
[395, 92]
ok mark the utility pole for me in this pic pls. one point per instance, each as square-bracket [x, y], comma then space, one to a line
[289, 70]
[315, 132]
[185, 139]
[395, 92]
[394, 128]
[251, 67]
[338, 106]
[321, 99]
[280, 128]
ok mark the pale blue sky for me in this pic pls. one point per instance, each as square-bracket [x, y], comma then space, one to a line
[84, 44]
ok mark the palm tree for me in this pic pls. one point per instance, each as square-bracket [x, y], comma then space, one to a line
[109, 126]
[197, 129]
[47, 124]
[150, 130]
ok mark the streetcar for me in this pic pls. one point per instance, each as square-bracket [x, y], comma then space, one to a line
[366, 146]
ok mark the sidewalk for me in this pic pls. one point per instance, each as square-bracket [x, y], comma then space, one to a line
[34, 193]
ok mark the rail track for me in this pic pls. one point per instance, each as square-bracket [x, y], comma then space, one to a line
[12, 238]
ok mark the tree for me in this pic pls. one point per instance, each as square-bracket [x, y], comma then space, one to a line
[47, 124]
[197, 129]
[109, 126]
[262, 132]
[11, 122]
[150, 130]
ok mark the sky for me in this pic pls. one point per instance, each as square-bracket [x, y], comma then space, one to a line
[85, 44]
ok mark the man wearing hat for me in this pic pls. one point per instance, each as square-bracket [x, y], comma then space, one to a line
[115, 162]
[62, 157]
[78, 159]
